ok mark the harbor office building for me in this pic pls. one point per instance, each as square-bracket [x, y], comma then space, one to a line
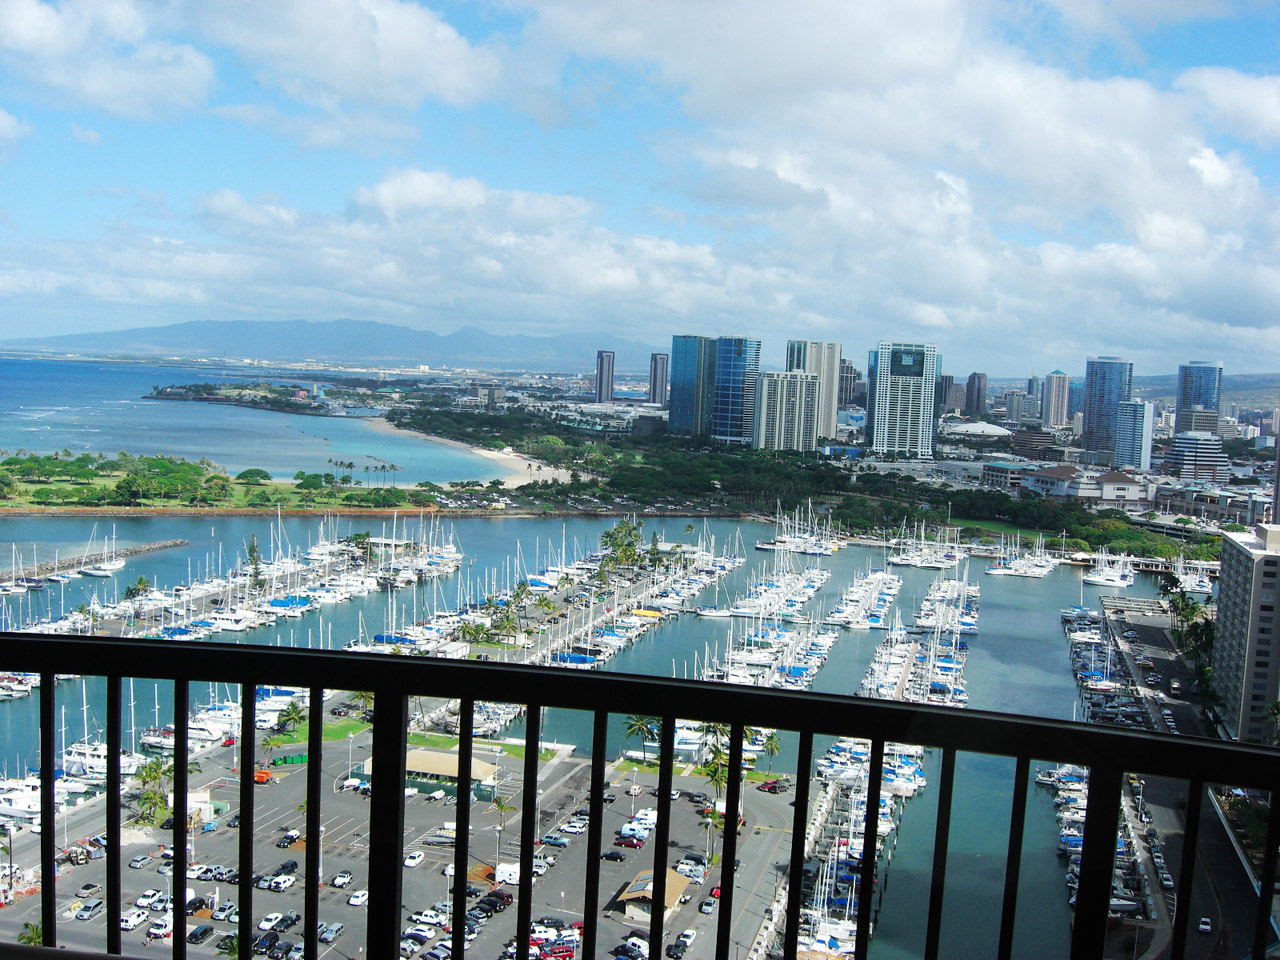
[427, 771]
[1246, 670]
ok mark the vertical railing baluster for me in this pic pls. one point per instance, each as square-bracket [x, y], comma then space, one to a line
[48, 826]
[246, 930]
[461, 842]
[181, 792]
[1267, 879]
[314, 879]
[1013, 858]
[1186, 869]
[115, 790]
[529, 828]
[1097, 862]
[799, 829]
[729, 844]
[870, 835]
[595, 833]
[941, 841]
[662, 835]
[386, 829]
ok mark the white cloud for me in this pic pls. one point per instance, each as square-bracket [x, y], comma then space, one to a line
[11, 130]
[101, 54]
[360, 131]
[85, 135]
[1249, 107]
[331, 52]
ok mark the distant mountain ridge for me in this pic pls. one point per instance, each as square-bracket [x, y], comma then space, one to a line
[348, 341]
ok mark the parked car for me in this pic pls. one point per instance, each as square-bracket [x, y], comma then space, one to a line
[225, 909]
[195, 905]
[160, 927]
[289, 839]
[147, 898]
[343, 879]
[88, 890]
[615, 855]
[269, 921]
[140, 861]
[134, 919]
[200, 934]
[90, 909]
[332, 932]
[359, 898]
[554, 840]
[414, 858]
[707, 906]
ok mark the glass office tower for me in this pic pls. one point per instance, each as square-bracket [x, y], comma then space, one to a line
[693, 376]
[1107, 381]
[737, 370]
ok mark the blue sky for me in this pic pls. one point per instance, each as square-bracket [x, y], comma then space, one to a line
[1024, 183]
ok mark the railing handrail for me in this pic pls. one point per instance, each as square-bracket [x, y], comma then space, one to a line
[975, 731]
[1106, 752]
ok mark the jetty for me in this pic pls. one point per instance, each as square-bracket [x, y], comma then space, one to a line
[76, 560]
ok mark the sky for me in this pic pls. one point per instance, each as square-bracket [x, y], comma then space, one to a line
[1024, 183]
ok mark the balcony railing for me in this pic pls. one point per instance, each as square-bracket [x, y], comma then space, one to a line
[1107, 753]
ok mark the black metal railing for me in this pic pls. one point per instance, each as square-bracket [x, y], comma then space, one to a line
[1107, 753]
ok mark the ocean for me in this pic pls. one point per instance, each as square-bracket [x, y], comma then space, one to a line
[94, 407]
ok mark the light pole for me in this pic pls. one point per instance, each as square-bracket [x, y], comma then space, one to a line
[350, 740]
[497, 845]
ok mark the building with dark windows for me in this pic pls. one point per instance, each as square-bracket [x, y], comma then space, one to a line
[850, 376]
[975, 394]
[1199, 402]
[658, 363]
[737, 368]
[1197, 455]
[902, 380]
[1107, 381]
[604, 376]
[1246, 673]
[693, 379]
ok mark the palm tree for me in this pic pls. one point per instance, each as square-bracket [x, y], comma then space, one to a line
[771, 746]
[717, 770]
[270, 744]
[1272, 713]
[364, 698]
[151, 773]
[230, 945]
[640, 725]
[32, 934]
[503, 806]
[151, 804]
[292, 715]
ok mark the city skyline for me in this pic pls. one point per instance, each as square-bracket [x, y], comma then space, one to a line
[1019, 185]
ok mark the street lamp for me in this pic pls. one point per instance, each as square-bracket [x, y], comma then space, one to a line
[497, 845]
[350, 739]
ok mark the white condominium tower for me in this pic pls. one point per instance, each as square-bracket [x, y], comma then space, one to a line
[787, 411]
[902, 378]
[822, 359]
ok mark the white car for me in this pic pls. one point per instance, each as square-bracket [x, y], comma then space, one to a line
[688, 937]
[194, 871]
[148, 898]
[420, 930]
[1206, 925]
[270, 920]
[134, 919]
[281, 884]
[359, 898]
[343, 879]
[429, 916]
[415, 858]
[162, 927]
[574, 827]
[1166, 881]
[225, 909]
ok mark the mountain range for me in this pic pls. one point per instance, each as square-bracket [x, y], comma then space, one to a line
[345, 341]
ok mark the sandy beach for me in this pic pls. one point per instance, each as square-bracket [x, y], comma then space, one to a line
[518, 468]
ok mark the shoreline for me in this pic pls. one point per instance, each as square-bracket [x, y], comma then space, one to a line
[519, 468]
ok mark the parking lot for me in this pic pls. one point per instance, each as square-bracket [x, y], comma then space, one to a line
[763, 851]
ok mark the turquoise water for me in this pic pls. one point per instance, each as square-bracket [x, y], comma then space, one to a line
[87, 407]
[1017, 664]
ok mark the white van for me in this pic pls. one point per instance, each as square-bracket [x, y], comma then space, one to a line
[638, 830]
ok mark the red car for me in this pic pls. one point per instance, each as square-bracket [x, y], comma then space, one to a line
[229, 742]
[628, 842]
[715, 891]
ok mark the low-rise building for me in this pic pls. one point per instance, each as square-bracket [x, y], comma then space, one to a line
[1004, 476]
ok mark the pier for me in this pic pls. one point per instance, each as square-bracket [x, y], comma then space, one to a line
[89, 557]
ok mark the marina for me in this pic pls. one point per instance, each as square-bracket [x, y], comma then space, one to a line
[1010, 665]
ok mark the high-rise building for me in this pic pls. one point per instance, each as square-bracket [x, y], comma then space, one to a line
[902, 380]
[658, 378]
[1053, 401]
[692, 398]
[1075, 398]
[737, 368]
[975, 394]
[1033, 386]
[849, 377]
[1107, 381]
[1246, 663]
[604, 376]
[1015, 402]
[787, 406]
[1135, 426]
[1197, 455]
[945, 382]
[1199, 396]
[823, 360]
